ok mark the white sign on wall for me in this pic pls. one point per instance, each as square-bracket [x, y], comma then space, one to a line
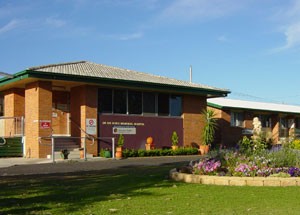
[91, 126]
[124, 130]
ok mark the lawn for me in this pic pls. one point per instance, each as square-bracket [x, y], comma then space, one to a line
[137, 190]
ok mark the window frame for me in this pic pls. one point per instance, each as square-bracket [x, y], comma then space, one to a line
[234, 118]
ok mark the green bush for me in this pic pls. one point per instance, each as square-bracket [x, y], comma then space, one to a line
[295, 144]
[285, 157]
[158, 152]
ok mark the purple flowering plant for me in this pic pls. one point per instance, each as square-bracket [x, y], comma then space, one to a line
[208, 166]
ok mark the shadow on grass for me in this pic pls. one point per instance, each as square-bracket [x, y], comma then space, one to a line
[69, 192]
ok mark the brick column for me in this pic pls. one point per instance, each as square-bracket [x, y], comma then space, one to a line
[275, 128]
[14, 106]
[192, 119]
[84, 103]
[38, 108]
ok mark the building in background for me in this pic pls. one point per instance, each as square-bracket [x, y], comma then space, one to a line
[235, 118]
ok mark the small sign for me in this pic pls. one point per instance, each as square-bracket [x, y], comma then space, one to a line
[124, 130]
[44, 124]
[247, 131]
[91, 126]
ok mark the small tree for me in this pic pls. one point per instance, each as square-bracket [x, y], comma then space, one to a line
[174, 138]
[121, 140]
[210, 125]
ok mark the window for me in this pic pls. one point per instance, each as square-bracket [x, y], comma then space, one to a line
[163, 104]
[120, 101]
[105, 101]
[175, 103]
[265, 120]
[149, 103]
[134, 102]
[237, 119]
[283, 127]
[1, 106]
[123, 101]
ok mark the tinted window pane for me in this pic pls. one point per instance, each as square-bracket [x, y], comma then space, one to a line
[163, 104]
[120, 103]
[134, 102]
[149, 103]
[175, 102]
[105, 101]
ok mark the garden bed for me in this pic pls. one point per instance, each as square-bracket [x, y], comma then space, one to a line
[234, 181]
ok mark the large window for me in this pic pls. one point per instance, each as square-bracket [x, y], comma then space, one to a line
[105, 100]
[237, 119]
[134, 102]
[149, 103]
[283, 127]
[175, 105]
[265, 120]
[163, 104]
[121, 101]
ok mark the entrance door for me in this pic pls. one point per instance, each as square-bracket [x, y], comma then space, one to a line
[61, 113]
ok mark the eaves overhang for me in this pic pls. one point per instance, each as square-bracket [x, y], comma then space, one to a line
[209, 93]
[209, 104]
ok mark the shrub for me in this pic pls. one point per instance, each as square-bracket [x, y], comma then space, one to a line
[295, 144]
[234, 163]
[158, 152]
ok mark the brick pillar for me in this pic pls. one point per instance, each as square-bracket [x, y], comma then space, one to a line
[38, 108]
[193, 119]
[14, 106]
[84, 102]
[275, 128]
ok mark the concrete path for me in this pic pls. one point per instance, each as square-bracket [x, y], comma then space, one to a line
[23, 166]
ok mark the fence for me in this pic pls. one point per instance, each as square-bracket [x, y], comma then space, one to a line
[11, 126]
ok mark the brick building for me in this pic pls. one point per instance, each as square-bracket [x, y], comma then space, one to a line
[72, 99]
[235, 118]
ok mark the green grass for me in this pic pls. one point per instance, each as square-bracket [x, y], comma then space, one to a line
[138, 190]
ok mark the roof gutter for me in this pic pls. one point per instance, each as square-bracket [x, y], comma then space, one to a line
[210, 93]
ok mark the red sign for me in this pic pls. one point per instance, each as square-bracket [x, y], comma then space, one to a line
[45, 124]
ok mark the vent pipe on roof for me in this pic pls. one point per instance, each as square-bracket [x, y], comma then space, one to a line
[191, 73]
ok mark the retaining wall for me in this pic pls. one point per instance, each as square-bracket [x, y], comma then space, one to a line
[234, 181]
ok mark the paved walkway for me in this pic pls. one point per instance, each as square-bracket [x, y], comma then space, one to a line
[25, 166]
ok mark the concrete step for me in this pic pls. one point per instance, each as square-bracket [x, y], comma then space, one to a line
[65, 143]
[73, 155]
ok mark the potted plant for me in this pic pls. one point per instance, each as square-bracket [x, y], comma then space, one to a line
[174, 139]
[149, 143]
[64, 153]
[210, 125]
[106, 153]
[119, 146]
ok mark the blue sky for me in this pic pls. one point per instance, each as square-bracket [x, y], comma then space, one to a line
[251, 47]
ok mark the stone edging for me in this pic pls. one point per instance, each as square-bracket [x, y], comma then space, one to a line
[234, 181]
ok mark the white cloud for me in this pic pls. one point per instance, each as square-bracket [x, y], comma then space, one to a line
[222, 38]
[132, 36]
[290, 17]
[54, 22]
[11, 25]
[190, 10]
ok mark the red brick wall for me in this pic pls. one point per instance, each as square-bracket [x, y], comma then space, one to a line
[38, 103]
[193, 119]
[14, 106]
[84, 102]
[226, 135]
